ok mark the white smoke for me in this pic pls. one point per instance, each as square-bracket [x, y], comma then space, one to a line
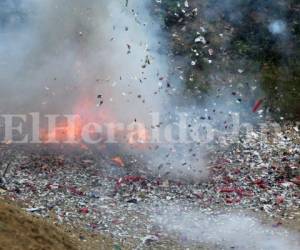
[64, 53]
[224, 231]
[64, 48]
[278, 27]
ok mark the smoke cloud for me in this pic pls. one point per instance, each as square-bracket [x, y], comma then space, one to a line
[58, 56]
[56, 52]
[224, 231]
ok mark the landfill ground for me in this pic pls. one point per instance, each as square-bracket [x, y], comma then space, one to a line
[82, 191]
[215, 58]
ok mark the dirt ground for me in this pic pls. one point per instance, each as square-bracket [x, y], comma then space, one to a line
[20, 231]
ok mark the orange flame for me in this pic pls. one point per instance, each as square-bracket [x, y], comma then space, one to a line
[64, 131]
[88, 112]
[118, 161]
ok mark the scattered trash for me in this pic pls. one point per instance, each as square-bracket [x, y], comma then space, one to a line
[200, 39]
[296, 180]
[35, 209]
[84, 210]
[80, 189]
[149, 239]
[279, 199]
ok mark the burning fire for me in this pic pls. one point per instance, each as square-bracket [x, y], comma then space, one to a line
[62, 132]
[118, 161]
[87, 112]
[72, 129]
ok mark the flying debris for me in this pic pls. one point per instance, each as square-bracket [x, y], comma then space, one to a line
[135, 60]
[147, 62]
[128, 48]
[100, 100]
[257, 105]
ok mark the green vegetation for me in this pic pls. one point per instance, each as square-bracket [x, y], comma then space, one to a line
[275, 58]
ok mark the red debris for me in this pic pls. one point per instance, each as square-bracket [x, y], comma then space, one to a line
[229, 200]
[296, 180]
[129, 179]
[260, 183]
[223, 161]
[75, 191]
[84, 210]
[242, 193]
[257, 105]
[227, 190]
[50, 186]
[246, 194]
[159, 182]
[132, 178]
[232, 200]
[279, 199]
[239, 191]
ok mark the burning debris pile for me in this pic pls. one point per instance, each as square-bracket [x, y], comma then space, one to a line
[258, 175]
[156, 132]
